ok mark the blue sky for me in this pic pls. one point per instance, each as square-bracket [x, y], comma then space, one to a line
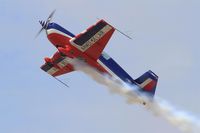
[165, 39]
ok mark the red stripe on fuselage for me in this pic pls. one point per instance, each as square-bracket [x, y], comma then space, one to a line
[58, 40]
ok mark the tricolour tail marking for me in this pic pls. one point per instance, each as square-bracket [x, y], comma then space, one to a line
[148, 82]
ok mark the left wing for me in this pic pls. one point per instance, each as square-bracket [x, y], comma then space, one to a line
[93, 40]
[59, 65]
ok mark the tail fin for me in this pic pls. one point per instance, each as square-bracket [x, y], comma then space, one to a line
[147, 82]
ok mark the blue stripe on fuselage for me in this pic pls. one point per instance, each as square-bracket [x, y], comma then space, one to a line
[58, 27]
[115, 68]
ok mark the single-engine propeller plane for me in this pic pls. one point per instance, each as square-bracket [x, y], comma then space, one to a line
[89, 46]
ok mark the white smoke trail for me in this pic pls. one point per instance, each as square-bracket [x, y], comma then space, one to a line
[159, 107]
[184, 121]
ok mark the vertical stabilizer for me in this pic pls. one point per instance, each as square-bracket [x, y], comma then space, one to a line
[148, 82]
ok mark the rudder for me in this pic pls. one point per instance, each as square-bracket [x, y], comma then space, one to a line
[148, 82]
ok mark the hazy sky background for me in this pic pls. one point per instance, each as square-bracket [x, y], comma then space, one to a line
[165, 39]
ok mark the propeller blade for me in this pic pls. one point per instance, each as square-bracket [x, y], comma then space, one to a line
[39, 32]
[45, 23]
[51, 16]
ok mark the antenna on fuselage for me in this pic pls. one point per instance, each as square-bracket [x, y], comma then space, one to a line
[123, 33]
[61, 81]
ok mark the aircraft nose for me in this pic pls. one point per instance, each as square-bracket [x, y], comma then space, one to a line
[44, 24]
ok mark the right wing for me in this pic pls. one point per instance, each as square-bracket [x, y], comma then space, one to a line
[59, 65]
[93, 40]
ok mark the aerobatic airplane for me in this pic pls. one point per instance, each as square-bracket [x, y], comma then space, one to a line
[88, 46]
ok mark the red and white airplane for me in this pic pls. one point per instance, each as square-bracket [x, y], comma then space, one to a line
[88, 46]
